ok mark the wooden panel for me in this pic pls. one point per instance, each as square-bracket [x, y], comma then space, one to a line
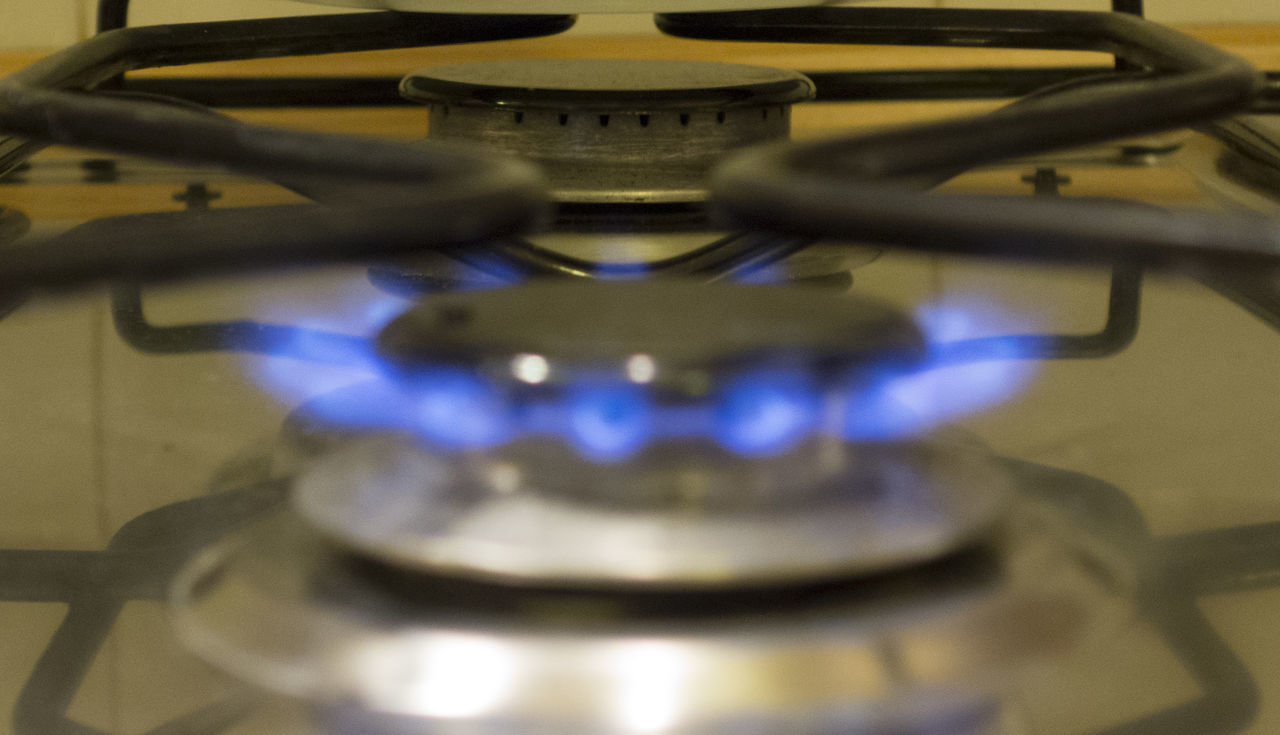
[1165, 11]
[40, 23]
[1259, 43]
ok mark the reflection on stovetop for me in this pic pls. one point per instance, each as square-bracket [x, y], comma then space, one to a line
[1175, 572]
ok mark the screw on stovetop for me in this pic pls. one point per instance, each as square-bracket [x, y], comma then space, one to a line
[1047, 180]
[100, 171]
[197, 195]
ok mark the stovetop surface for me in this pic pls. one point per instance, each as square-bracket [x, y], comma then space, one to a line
[1182, 425]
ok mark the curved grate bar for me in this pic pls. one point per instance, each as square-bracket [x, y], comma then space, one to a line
[857, 187]
[394, 197]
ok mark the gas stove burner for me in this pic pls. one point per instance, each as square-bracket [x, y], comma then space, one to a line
[612, 130]
[565, 6]
[695, 434]
[619, 369]
[378, 650]
[622, 371]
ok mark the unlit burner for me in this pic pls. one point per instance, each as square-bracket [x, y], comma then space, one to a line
[612, 130]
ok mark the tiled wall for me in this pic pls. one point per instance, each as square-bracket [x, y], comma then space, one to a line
[43, 23]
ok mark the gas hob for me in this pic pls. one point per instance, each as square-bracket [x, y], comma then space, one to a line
[641, 385]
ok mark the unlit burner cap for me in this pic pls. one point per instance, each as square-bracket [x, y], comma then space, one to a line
[564, 6]
[612, 130]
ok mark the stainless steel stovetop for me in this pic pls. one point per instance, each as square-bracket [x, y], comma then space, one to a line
[242, 503]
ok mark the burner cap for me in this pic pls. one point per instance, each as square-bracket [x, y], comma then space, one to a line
[521, 7]
[689, 332]
[607, 85]
[612, 130]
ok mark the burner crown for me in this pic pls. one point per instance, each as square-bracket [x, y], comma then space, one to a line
[620, 130]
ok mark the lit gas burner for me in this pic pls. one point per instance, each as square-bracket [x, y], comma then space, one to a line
[641, 507]
[615, 371]
[692, 434]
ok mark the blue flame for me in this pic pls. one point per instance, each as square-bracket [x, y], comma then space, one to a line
[893, 403]
[458, 409]
[759, 413]
[766, 412]
[324, 350]
[609, 422]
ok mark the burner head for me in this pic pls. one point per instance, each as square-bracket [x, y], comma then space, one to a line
[611, 371]
[693, 430]
[612, 130]
[618, 368]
